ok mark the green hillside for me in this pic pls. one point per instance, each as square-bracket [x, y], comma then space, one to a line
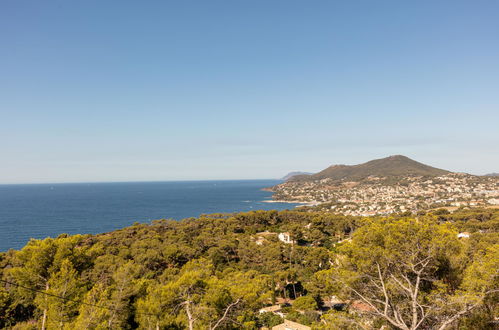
[392, 166]
[218, 271]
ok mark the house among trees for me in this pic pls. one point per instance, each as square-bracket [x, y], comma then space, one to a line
[262, 237]
[290, 325]
[275, 309]
[463, 235]
[286, 238]
[359, 306]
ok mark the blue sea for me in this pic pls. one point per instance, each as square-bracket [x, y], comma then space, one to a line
[47, 210]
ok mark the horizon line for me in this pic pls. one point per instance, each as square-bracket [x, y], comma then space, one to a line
[133, 181]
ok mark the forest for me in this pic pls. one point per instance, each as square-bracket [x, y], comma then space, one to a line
[431, 270]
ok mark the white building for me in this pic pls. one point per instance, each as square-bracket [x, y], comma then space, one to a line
[286, 238]
[463, 235]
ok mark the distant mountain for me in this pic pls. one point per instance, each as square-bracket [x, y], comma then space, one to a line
[492, 174]
[294, 174]
[393, 166]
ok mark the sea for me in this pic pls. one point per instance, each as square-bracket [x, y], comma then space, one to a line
[48, 210]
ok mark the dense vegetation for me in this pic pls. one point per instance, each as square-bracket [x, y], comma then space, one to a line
[216, 272]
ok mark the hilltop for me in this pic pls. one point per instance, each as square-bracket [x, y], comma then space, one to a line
[392, 166]
[388, 185]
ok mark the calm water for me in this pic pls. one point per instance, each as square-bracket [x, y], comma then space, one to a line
[42, 210]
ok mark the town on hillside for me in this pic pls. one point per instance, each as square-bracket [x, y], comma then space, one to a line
[376, 194]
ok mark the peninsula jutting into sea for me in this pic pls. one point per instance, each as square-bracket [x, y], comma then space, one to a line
[143, 146]
[389, 185]
[302, 269]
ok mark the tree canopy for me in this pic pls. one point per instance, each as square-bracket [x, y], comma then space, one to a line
[217, 271]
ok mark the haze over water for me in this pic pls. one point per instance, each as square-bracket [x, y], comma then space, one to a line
[41, 210]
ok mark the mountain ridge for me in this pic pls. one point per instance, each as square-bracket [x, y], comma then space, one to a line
[295, 173]
[391, 166]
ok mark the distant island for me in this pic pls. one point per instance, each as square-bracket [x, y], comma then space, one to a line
[387, 185]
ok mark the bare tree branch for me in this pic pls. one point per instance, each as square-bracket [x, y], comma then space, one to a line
[408, 290]
[225, 313]
[387, 317]
[385, 293]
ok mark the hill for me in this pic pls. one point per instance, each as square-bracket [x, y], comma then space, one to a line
[492, 174]
[386, 186]
[294, 174]
[392, 166]
[225, 268]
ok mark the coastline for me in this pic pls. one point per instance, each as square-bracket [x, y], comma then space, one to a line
[282, 201]
[118, 205]
[270, 189]
[292, 202]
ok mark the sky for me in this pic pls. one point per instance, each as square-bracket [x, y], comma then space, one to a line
[189, 90]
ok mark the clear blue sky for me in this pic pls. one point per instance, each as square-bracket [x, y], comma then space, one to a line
[179, 90]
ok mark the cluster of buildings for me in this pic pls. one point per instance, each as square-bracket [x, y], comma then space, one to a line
[356, 307]
[375, 195]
